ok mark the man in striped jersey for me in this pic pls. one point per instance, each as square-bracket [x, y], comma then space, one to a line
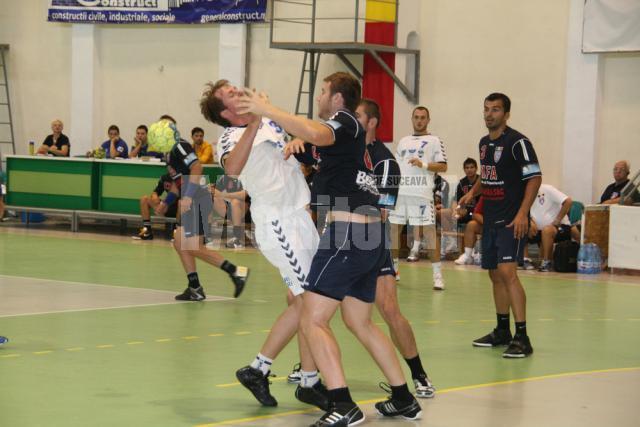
[509, 181]
[420, 157]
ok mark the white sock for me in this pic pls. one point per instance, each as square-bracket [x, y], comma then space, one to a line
[309, 379]
[416, 246]
[262, 362]
[468, 251]
[437, 268]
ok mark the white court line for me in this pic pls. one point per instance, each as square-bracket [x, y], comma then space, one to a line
[210, 298]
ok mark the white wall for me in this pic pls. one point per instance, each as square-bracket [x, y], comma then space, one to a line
[619, 120]
[39, 69]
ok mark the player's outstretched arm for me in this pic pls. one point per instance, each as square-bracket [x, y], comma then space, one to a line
[236, 159]
[309, 130]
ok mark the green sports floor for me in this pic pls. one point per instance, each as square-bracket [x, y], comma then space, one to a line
[96, 339]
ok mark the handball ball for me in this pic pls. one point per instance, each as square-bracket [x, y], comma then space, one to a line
[162, 136]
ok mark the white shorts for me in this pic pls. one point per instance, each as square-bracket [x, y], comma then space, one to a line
[414, 210]
[289, 243]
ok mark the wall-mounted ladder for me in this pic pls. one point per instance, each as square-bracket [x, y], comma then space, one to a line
[6, 123]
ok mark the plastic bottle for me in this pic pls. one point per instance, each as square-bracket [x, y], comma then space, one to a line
[32, 148]
[582, 259]
[597, 260]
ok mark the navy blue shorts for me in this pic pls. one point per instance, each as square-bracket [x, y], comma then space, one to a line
[195, 221]
[348, 261]
[499, 246]
[387, 266]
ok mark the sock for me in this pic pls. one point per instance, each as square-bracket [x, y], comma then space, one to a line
[521, 329]
[228, 267]
[340, 395]
[503, 321]
[309, 378]
[263, 363]
[437, 268]
[237, 232]
[417, 371]
[401, 392]
[468, 251]
[194, 282]
[416, 246]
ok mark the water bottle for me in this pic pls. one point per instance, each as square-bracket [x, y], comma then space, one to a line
[32, 148]
[582, 259]
[597, 260]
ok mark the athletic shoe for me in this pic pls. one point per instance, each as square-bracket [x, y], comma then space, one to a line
[424, 387]
[545, 267]
[295, 376]
[396, 268]
[144, 234]
[234, 243]
[497, 337]
[341, 414]
[318, 395]
[477, 258]
[192, 294]
[409, 410]
[526, 265]
[438, 282]
[464, 259]
[4, 340]
[257, 383]
[519, 347]
[239, 278]
[414, 255]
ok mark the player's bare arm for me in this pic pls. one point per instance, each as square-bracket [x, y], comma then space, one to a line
[234, 161]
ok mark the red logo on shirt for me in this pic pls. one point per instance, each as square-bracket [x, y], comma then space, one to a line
[367, 161]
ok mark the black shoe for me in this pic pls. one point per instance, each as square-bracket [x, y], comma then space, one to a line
[409, 410]
[340, 415]
[257, 384]
[318, 395]
[144, 234]
[519, 347]
[496, 338]
[192, 294]
[239, 278]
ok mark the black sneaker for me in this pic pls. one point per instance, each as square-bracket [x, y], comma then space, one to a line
[519, 347]
[144, 234]
[192, 294]
[239, 278]
[496, 338]
[257, 384]
[545, 267]
[318, 395]
[340, 415]
[424, 387]
[409, 410]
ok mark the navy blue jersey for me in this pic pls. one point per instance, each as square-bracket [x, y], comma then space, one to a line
[464, 186]
[164, 184]
[506, 164]
[344, 179]
[386, 172]
[181, 158]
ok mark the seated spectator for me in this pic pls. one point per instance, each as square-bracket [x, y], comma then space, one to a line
[56, 144]
[230, 200]
[611, 195]
[472, 229]
[203, 149]
[2, 191]
[550, 222]
[114, 147]
[141, 145]
[153, 201]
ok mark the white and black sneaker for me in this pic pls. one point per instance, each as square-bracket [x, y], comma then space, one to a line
[409, 410]
[340, 415]
[239, 279]
[424, 387]
[296, 375]
[192, 294]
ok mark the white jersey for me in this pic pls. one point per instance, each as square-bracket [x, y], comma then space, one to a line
[418, 182]
[275, 185]
[547, 205]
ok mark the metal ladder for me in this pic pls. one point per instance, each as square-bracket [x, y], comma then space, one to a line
[6, 122]
[308, 75]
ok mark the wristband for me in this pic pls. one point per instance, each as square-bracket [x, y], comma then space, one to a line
[425, 166]
[190, 189]
[171, 197]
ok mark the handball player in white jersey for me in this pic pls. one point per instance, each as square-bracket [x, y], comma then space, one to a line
[251, 149]
[419, 156]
